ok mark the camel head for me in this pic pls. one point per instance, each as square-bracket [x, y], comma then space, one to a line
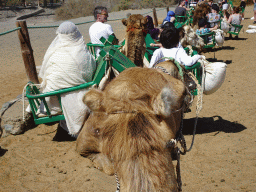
[131, 122]
[189, 37]
[135, 46]
[135, 21]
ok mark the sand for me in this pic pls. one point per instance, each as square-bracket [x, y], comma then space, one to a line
[222, 158]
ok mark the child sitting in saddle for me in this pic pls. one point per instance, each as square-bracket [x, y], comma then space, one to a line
[169, 39]
[171, 47]
[202, 24]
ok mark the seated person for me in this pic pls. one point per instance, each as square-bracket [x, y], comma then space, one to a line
[99, 28]
[154, 32]
[214, 17]
[67, 63]
[202, 24]
[224, 22]
[170, 42]
[235, 18]
[224, 5]
[226, 15]
[167, 25]
[181, 10]
[242, 5]
[169, 18]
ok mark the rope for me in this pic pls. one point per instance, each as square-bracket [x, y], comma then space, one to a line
[180, 136]
[175, 62]
[117, 183]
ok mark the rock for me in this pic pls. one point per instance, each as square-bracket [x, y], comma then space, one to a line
[8, 128]
[12, 117]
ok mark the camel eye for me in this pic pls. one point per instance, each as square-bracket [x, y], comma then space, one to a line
[159, 118]
[97, 131]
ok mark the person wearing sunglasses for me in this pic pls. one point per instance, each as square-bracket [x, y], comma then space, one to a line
[100, 28]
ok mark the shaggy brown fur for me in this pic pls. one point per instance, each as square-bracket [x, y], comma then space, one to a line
[200, 12]
[131, 122]
[188, 36]
[136, 30]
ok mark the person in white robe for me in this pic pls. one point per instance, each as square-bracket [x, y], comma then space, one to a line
[67, 63]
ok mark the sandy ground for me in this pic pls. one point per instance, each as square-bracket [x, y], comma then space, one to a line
[223, 157]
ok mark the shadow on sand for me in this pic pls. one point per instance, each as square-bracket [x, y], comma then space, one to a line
[216, 60]
[235, 38]
[211, 124]
[2, 151]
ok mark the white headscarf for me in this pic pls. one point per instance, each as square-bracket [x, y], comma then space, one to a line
[67, 62]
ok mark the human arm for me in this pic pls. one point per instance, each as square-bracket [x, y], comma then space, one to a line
[116, 41]
[111, 32]
[172, 19]
[156, 45]
[230, 18]
[186, 60]
[214, 28]
[155, 58]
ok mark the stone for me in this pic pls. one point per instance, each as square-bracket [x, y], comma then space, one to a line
[12, 117]
[8, 128]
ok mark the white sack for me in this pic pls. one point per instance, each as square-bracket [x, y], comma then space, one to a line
[214, 76]
[251, 27]
[251, 31]
[225, 26]
[219, 37]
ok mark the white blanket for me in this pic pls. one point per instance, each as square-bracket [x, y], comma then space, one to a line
[68, 63]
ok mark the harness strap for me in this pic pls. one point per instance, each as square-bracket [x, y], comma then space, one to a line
[176, 63]
[133, 28]
[117, 183]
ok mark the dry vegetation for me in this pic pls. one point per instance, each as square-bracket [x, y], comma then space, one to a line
[74, 9]
[82, 8]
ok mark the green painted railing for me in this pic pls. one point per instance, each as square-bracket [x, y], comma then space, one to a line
[12, 30]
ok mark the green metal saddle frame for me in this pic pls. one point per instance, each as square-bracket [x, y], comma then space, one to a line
[109, 56]
[148, 40]
[205, 37]
[237, 29]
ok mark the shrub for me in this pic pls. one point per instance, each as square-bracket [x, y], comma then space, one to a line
[74, 9]
[81, 8]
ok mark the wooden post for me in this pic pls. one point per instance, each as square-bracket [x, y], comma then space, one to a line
[45, 3]
[155, 17]
[27, 52]
[167, 9]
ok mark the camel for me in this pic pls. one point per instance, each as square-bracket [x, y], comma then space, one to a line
[132, 121]
[200, 12]
[136, 31]
[188, 37]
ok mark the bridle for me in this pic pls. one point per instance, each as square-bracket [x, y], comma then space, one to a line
[133, 28]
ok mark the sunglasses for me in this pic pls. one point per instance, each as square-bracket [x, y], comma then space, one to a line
[105, 14]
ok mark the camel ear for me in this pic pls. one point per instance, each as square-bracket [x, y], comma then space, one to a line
[168, 101]
[144, 20]
[93, 100]
[124, 21]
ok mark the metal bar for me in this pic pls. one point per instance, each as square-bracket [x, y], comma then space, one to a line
[12, 30]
